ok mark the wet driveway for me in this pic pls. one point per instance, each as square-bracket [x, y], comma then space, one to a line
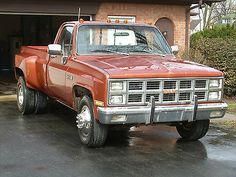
[48, 146]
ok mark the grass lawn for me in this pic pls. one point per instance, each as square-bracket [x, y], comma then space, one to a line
[232, 106]
[228, 124]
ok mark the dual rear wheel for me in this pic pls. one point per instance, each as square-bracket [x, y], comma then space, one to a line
[28, 100]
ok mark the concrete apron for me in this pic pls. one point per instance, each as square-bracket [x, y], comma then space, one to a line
[7, 91]
[4, 98]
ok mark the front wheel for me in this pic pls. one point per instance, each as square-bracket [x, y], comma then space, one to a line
[193, 131]
[91, 132]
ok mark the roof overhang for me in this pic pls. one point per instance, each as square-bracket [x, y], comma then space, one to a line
[174, 2]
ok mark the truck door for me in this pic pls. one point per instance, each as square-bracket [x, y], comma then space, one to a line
[57, 65]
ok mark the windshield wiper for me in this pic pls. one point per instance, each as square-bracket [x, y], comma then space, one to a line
[141, 51]
[110, 51]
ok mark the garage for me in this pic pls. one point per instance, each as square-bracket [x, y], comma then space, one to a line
[35, 23]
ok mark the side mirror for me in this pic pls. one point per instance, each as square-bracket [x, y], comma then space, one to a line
[54, 49]
[175, 49]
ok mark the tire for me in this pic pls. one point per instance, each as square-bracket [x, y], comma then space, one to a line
[192, 131]
[25, 97]
[91, 132]
[40, 103]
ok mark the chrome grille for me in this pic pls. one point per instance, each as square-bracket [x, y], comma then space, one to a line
[164, 91]
[135, 98]
[167, 91]
[168, 97]
[153, 85]
[135, 85]
[185, 84]
[185, 96]
[148, 96]
[201, 95]
[169, 84]
[200, 83]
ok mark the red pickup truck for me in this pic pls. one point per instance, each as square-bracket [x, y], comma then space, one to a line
[118, 75]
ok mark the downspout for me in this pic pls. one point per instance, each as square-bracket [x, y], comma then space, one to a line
[187, 30]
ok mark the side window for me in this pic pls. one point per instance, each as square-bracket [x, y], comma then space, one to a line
[66, 40]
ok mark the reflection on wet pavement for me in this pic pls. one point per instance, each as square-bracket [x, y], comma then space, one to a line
[48, 145]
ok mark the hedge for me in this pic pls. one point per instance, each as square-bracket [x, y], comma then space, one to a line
[217, 48]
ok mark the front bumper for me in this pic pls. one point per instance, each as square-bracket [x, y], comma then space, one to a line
[160, 114]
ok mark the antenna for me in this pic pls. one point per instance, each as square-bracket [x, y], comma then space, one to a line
[79, 15]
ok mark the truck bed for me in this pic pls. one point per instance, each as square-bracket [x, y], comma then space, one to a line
[33, 60]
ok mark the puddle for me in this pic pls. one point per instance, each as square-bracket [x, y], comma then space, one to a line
[218, 141]
[217, 132]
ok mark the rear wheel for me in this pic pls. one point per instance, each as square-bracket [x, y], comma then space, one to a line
[40, 102]
[193, 131]
[91, 132]
[25, 97]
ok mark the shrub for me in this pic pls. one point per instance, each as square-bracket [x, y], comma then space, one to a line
[217, 49]
[219, 31]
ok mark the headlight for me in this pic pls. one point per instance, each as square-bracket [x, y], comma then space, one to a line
[116, 99]
[215, 83]
[214, 96]
[116, 86]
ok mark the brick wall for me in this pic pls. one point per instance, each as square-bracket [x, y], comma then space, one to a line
[150, 13]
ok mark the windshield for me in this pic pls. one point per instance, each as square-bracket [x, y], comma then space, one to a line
[120, 39]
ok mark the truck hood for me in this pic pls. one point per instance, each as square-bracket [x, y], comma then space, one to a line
[149, 66]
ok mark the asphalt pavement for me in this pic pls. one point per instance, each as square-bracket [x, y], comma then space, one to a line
[48, 145]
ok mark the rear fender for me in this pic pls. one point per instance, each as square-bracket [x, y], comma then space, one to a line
[33, 73]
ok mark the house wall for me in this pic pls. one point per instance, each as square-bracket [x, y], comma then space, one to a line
[150, 13]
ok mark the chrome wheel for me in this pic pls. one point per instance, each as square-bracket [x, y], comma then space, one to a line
[25, 97]
[84, 121]
[91, 132]
[20, 95]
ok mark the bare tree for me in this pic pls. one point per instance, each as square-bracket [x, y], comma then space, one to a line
[222, 9]
[214, 13]
[207, 15]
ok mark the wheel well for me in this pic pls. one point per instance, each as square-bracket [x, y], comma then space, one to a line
[79, 92]
[18, 72]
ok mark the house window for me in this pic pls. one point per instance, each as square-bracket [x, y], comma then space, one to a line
[226, 21]
[122, 18]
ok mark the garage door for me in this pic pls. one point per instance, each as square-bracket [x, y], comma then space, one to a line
[35, 22]
[47, 7]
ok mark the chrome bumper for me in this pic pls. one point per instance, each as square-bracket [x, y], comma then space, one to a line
[160, 114]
